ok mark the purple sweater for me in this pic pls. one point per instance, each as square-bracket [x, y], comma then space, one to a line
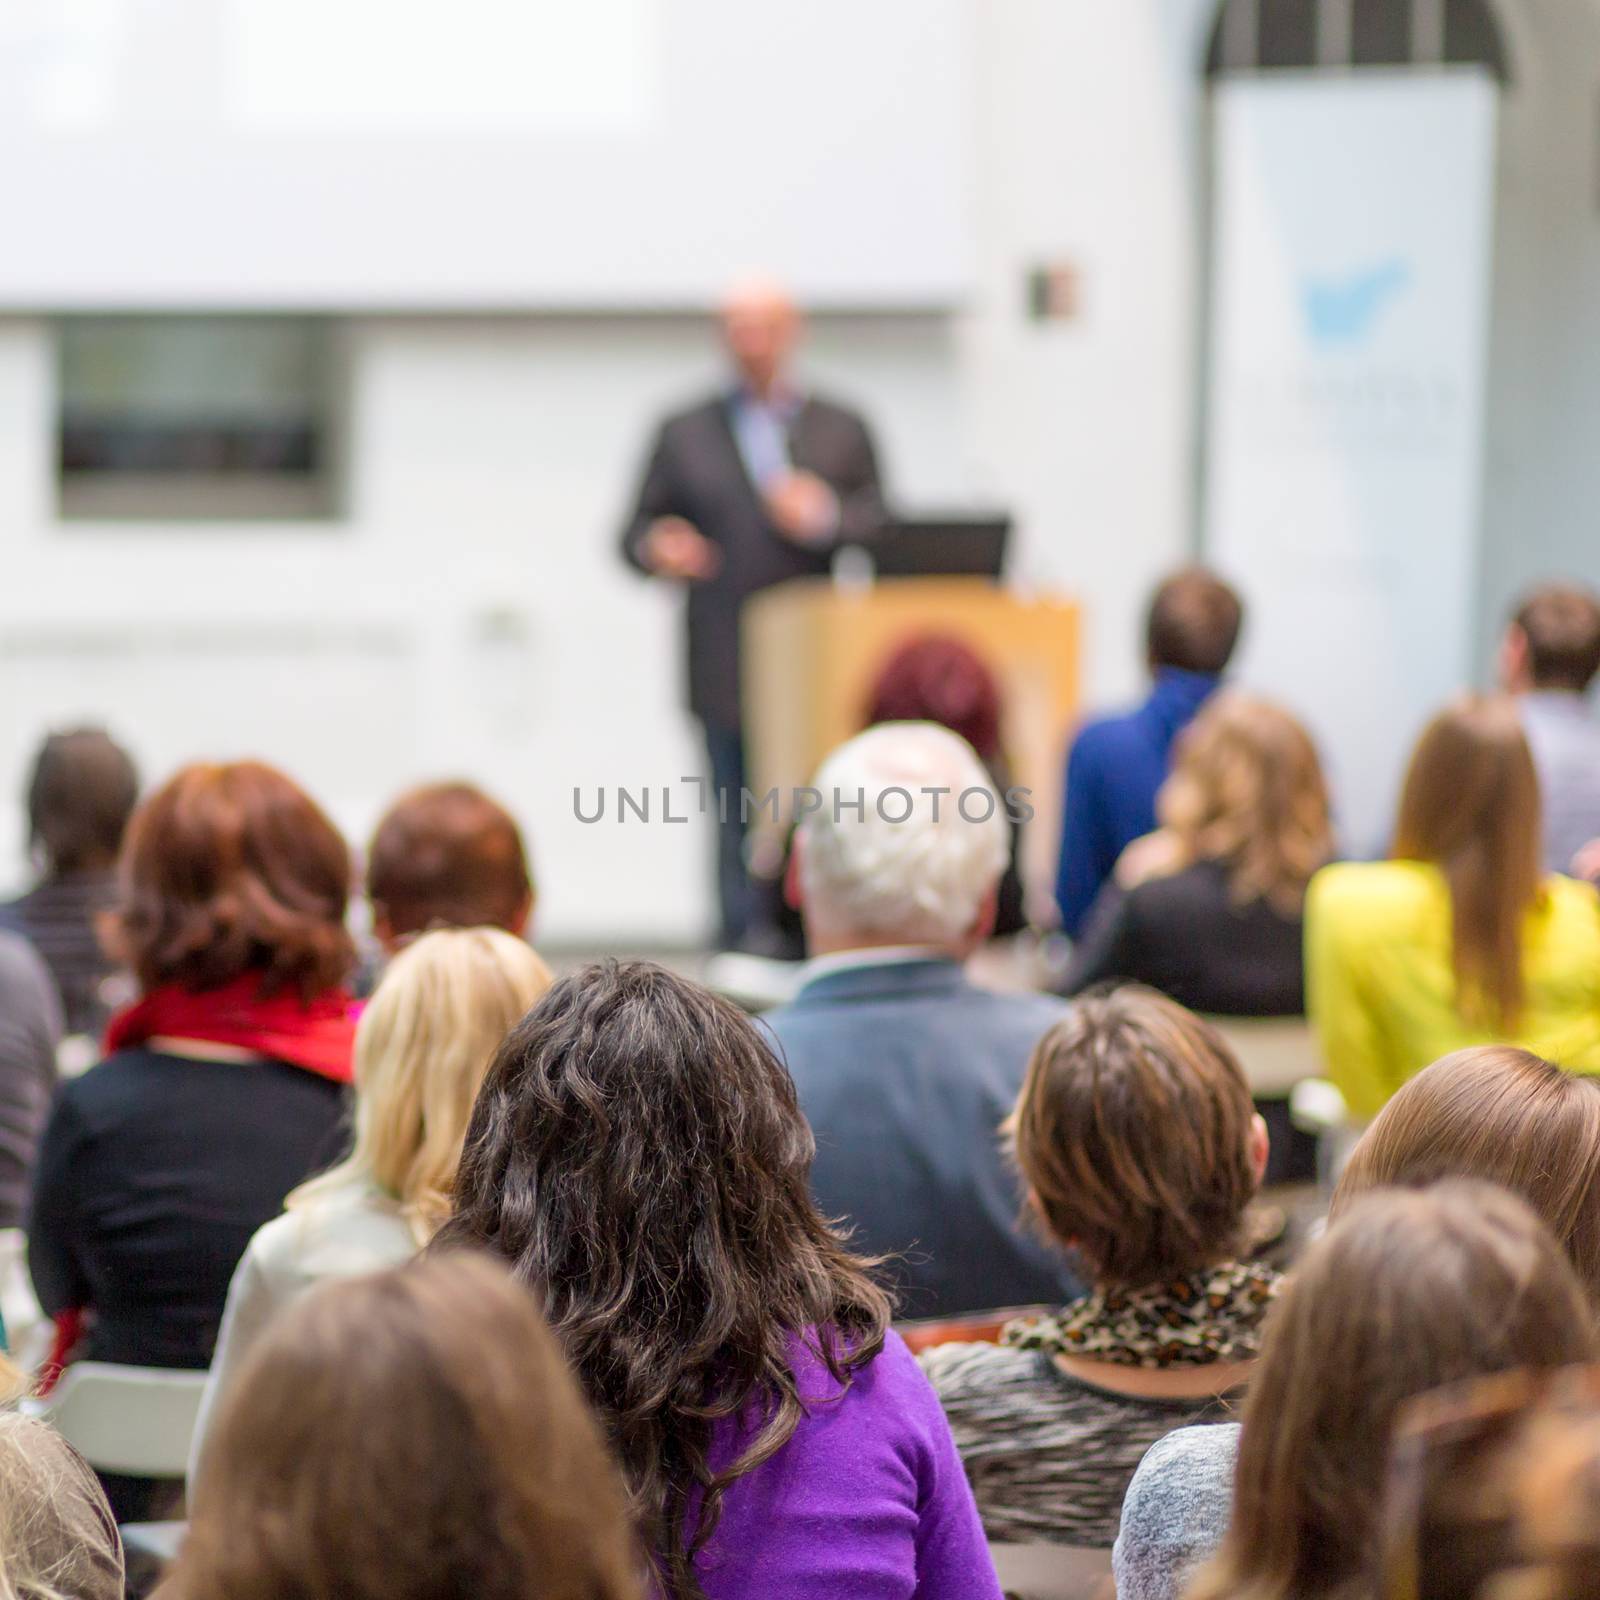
[867, 1501]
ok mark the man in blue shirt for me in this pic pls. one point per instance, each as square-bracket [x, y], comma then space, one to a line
[1117, 764]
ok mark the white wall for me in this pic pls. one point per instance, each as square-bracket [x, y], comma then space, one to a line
[1085, 153]
[1542, 495]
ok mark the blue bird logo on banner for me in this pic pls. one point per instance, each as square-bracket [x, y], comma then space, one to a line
[1345, 311]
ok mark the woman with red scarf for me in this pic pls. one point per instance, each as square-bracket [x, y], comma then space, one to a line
[222, 1087]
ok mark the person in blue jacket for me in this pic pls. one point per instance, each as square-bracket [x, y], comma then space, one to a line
[1117, 763]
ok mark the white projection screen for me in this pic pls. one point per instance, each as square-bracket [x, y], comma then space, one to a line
[502, 154]
[1345, 401]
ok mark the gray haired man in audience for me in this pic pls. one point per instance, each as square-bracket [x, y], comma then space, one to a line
[905, 1069]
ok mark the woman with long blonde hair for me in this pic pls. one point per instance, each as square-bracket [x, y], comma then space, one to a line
[1208, 908]
[423, 1045]
[1459, 939]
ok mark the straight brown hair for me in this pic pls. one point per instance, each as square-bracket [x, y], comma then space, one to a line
[1133, 1133]
[1494, 1490]
[1561, 624]
[1409, 1289]
[1193, 622]
[1471, 807]
[448, 856]
[1504, 1115]
[413, 1435]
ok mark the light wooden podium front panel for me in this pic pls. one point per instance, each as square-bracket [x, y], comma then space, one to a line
[813, 649]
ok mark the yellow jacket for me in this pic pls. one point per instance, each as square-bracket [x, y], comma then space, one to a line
[1381, 992]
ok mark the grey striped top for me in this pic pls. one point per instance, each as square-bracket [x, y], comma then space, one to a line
[1049, 1457]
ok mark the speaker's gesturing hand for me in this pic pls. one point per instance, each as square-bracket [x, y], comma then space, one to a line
[674, 548]
[804, 508]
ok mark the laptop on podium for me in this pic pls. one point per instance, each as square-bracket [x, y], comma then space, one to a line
[942, 547]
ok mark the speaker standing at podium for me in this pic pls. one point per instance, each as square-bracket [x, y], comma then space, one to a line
[754, 485]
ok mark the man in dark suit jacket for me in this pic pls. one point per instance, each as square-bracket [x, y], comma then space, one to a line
[744, 490]
[905, 1068]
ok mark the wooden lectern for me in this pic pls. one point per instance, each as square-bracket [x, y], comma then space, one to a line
[812, 650]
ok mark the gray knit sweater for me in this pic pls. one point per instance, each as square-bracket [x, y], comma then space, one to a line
[1176, 1511]
[30, 1030]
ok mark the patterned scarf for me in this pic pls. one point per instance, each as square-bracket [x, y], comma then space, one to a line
[1210, 1316]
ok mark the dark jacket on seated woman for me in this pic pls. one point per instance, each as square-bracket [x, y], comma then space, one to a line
[222, 1088]
[1209, 909]
[1137, 1140]
[1187, 936]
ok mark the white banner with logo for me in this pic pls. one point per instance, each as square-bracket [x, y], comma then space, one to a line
[1344, 441]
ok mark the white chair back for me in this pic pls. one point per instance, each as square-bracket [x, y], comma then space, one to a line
[136, 1420]
[1275, 1052]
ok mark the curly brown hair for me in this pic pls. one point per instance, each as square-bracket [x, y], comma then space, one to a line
[1247, 790]
[638, 1155]
[228, 869]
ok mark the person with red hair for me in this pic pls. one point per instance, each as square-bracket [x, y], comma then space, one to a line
[223, 1085]
[939, 678]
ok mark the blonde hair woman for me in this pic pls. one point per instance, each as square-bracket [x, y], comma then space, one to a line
[1459, 940]
[58, 1539]
[1208, 908]
[422, 1048]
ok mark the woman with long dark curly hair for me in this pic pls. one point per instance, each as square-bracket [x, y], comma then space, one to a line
[638, 1157]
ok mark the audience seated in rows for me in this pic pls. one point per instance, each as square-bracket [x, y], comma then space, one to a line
[1209, 908]
[30, 1034]
[407, 1436]
[1117, 764]
[1140, 1148]
[422, 1047]
[1408, 1289]
[1548, 659]
[447, 856]
[904, 1067]
[223, 1086]
[1507, 1117]
[1460, 939]
[1494, 1490]
[638, 1157]
[82, 791]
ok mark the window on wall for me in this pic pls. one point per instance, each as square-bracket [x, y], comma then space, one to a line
[1263, 35]
[196, 418]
